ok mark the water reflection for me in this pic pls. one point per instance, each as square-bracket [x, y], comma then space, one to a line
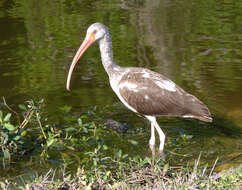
[197, 46]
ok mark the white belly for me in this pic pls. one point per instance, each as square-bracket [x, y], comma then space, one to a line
[116, 90]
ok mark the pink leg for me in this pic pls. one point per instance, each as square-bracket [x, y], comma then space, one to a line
[162, 136]
[152, 139]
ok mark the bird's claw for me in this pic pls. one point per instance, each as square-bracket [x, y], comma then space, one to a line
[152, 148]
[162, 155]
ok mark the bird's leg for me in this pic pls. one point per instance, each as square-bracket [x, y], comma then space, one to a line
[152, 139]
[162, 138]
[154, 125]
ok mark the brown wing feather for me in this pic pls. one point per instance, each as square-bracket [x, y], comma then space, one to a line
[146, 97]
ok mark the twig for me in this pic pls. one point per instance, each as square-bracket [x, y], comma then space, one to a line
[4, 102]
[42, 130]
[27, 118]
[213, 167]
[176, 167]
[185, 155]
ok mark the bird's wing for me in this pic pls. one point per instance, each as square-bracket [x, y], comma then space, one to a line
[150, 93]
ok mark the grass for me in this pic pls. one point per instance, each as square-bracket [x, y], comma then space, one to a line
[124, 172]
[94, 168]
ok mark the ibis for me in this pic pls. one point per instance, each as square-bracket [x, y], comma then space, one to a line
[141, 90]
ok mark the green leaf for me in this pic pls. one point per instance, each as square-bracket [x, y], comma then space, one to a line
[1, 116]
[70, 119]
[9, 126]
[92, 125]
[7, 117]
[65, 108]
[166, 167]
[119, 154]
[5, 135]
[17, 138]
[133, 142]
[50, 142]
[125, 156]
[5, 140]
[105, 147]
[95, 162]
[84, 130]
[23, 133]
[70, 129]
[22, 107]
[84, 117]
[79, 122]
[108, 173]
[6, 154]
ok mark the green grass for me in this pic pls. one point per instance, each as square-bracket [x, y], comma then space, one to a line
[92, 167]
[123, 172]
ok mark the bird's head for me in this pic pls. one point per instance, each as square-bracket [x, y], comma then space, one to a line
[95, 32]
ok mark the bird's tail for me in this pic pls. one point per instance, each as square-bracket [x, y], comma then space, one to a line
[198, 110]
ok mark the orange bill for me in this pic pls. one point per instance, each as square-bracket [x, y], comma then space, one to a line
[89, 39]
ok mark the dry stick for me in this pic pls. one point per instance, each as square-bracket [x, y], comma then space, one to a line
[213, 167]
[4, 102]
[3, 159]
[42, 130]
[185, 155]
[27, 118]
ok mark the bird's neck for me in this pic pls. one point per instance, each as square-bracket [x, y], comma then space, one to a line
[105, 45]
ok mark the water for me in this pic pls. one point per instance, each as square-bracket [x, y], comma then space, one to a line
[197, 44]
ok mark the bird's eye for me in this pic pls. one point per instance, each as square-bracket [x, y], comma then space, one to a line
[95, 31]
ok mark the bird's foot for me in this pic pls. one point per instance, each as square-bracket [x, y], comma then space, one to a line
[162, 155]
[152, 148]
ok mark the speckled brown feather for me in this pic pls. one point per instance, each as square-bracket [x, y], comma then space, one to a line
[150, 99]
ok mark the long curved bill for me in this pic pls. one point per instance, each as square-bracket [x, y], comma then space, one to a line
[89, 39]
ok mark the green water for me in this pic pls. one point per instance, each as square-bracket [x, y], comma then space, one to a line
[197, 44]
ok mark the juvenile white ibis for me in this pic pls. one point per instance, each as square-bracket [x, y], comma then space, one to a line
[141, 90]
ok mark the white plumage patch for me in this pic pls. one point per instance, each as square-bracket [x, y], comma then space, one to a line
[146, 75]
[147, 97]
[166, 84]
[188, 116]
[116, 90]
[129, 85]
